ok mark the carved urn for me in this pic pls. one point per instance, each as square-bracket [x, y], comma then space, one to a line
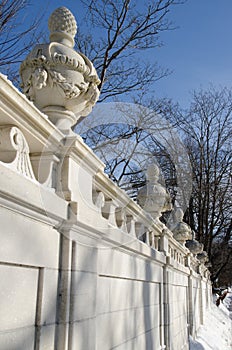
[203, 257]
[61, 82]
[193, 245]
[153, 197]
[181, 231]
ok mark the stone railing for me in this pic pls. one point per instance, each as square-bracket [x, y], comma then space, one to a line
[122, 212]
[176, 252]
[54, 185]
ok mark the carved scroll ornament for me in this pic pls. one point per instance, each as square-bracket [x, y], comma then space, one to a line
[14, 151]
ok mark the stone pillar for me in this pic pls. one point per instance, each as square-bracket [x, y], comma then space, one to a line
[166, 309]
[62, 83]
[164, 242]
[63, 297]
[162, 316]
[191, 305]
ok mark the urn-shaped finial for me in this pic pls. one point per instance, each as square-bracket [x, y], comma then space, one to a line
[181, 231]
[153, 197]
[203, 257]
[193, 245]
[60, 81]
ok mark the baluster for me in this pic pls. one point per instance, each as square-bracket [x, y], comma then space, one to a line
[98, 199]
[121, 219]
[131, 226]
[108, 211]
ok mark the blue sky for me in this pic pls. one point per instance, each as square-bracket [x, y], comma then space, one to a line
[198, 52]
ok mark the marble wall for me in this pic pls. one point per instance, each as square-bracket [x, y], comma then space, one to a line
[74, 272]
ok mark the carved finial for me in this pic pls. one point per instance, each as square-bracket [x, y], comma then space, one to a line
[62, 26]
[153, 197]
[152, 173]
[203, 257]
[60, 81]
[193, 245]
[179, 215]
[182, 232]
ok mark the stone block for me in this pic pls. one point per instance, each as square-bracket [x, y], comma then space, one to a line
[49, 297]
[47, 338]
[177, 278]
[148, 340]
[82, 335]
[27, 241]
[115, 262]
[123, 328]
[18, 297]
[103, 295]
[135, 294]
[83, 295]
[86, 253]
[17, 339]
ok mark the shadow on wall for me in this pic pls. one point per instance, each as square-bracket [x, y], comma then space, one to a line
[195, 345]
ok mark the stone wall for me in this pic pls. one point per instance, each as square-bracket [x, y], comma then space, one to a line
[74, 274]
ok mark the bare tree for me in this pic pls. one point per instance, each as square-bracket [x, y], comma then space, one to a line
[126, 31]
[222, 261]
[207, 127]
[15, 38]
[135, 137]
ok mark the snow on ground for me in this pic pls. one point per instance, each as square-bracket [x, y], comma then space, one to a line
[216, 333]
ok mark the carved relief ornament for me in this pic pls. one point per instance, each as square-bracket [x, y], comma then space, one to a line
[14, 150]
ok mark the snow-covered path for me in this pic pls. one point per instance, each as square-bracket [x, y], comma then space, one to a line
[216, 334]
